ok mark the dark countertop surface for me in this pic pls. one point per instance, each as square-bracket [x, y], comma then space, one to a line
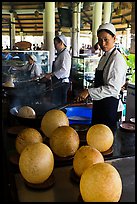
[64, 190]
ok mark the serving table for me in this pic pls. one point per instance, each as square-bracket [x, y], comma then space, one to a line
[65, 188]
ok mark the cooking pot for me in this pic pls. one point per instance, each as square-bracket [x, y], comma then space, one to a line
[30, 87]
[26, 121]
[27, 87]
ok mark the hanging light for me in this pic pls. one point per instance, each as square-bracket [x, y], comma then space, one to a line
[36, 13]
[119, 9]
[35, 27]
[123, 20]
[88, 5]
[15, 14]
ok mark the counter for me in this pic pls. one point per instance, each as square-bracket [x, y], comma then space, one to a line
[64, 189]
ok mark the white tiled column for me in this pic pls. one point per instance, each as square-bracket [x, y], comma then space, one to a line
[97, 20]
[107, 12]
[49, 26]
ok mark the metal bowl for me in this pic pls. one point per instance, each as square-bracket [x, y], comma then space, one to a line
[40, 110]
[35, 122]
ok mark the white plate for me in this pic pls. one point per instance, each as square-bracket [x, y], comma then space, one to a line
[127, 126]
[78, 118]
[132, 120]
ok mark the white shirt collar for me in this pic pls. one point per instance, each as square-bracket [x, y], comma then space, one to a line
[108, 52]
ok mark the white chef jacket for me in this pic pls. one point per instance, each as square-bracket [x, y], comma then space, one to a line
[114, 76]
[62, 65]
[35, 71]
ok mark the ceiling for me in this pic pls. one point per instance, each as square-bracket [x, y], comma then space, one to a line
[29, 16]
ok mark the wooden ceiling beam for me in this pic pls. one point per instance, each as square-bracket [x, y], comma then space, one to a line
[12, 10]
[25, 15]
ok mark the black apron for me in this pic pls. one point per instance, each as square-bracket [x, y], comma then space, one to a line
[53, 68]
[28, 72]
[104, 110]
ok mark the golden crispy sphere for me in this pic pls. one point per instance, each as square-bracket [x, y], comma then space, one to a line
[26, 112]
[36, 163]
[84, 157]
[8, 84]
[64, 141]
[100, 136]
[53, 119]
[101, 182]
[25, 137]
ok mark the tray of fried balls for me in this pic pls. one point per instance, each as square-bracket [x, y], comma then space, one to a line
[61, 137]
[96, 178]
[34, 159]
[36, 165]
[99, 144]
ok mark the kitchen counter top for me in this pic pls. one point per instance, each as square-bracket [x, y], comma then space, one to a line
[64, 190]
[67, 190]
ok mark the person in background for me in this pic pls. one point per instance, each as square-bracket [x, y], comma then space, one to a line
[6, 56]
[124, 87]
[34, 47]
[121, 106]
[42, 46]
[110, 76]
[31, 69]
[37, 47]
[60, 70]
[97, 49]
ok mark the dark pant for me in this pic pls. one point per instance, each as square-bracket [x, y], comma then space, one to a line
[105, 112]
[59, 91]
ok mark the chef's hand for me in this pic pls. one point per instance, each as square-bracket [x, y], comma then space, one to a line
[11, 68]
[82, 96]
[48, 76]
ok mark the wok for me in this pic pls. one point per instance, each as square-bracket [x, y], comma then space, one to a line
[31, 87]
[40, 110]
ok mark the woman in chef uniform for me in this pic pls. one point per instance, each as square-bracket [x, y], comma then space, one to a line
[110, 76]
[31, 69]
[60, 71]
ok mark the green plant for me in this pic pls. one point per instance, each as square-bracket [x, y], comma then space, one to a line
[130, 60]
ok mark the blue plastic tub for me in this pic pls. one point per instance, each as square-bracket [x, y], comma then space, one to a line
[79, 115]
